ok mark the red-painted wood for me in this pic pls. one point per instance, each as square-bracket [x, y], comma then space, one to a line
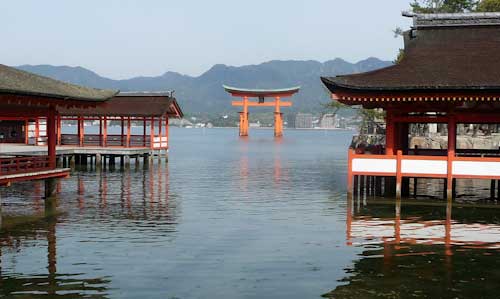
[129, 128]
[105, 132]
[51, 137]
[152, 132]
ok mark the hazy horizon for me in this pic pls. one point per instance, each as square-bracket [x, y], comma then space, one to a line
[124, 39]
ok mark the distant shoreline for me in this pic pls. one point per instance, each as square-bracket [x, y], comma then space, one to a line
[271, 128]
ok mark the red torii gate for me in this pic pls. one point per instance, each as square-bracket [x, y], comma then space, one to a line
[261, 94]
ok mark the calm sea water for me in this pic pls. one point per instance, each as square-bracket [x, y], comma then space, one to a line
[245, 218]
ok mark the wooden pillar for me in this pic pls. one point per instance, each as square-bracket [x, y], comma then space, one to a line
[152, 132]
[81, 131]
[98, 160]
[399, 176]
[26, 131]
[126, 161]
[50, 189]
[362, 181]
[278, 122]
[166, 130]
[144, 131]
[403, 145]
[369, 185]
[389, 134]
[378, 186]
[37, 130]
[51, 137]
[355, 185]
[415, 185]
[122, 126]
[100, 131]
[397, 223]
[448, 224]
[492, 189]
[452, 129]
[349, 220]
[160, 128]
[498, 189]
[105, 132]
[129, 129]
[59, 129]
[244, 118]
[349, 171]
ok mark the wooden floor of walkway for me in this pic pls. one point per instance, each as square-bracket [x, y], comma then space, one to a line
[8, 149]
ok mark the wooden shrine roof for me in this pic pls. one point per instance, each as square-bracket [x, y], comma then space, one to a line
[21, 83]
[236, 91]
[454, 54]
[135, 104]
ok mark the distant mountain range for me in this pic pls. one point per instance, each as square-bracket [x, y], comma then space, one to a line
[205, 93]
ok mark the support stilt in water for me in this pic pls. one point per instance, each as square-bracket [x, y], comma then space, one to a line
[492, 189]
[378, 186]
[72, 161]
[98, 160]
[127, 161]
[415, 184]
[389, 186]
[498, 191]
[399, 178]
[59, 161]
[362, 185]
[50, 188]
[445, 189]
[454, 188]
[356, 185]
[368, 185]
[405, 187]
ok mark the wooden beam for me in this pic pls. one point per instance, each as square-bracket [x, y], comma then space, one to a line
[265, 104]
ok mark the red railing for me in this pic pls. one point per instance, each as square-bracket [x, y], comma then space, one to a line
[112, 140]
[23, 165]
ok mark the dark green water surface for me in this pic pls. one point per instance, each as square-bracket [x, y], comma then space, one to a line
[246, 218]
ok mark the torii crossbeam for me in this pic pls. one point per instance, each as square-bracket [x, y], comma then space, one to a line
[261, 95]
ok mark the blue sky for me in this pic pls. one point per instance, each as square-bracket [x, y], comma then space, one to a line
[126, 38]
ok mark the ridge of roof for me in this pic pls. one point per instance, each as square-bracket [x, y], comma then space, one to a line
[273, 91]
[169, 94]
[454, 19]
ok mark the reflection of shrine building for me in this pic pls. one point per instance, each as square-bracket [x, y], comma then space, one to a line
[427, 223]
[16, 230]
[126, 197]
[421, 249]
[139, 195]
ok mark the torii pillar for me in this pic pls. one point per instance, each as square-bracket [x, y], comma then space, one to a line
[261, 94]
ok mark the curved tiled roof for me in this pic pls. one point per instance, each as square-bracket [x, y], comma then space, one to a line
[262, 92]
[135, 104]
[14, 81]
[442, 57]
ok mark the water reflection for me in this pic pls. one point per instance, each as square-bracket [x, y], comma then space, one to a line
[108, 203]
[450, 248]
[142, 194]
[17, 230]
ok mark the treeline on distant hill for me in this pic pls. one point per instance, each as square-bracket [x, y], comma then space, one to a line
[204, 94]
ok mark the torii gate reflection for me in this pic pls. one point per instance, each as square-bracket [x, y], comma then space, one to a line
[261, 94]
